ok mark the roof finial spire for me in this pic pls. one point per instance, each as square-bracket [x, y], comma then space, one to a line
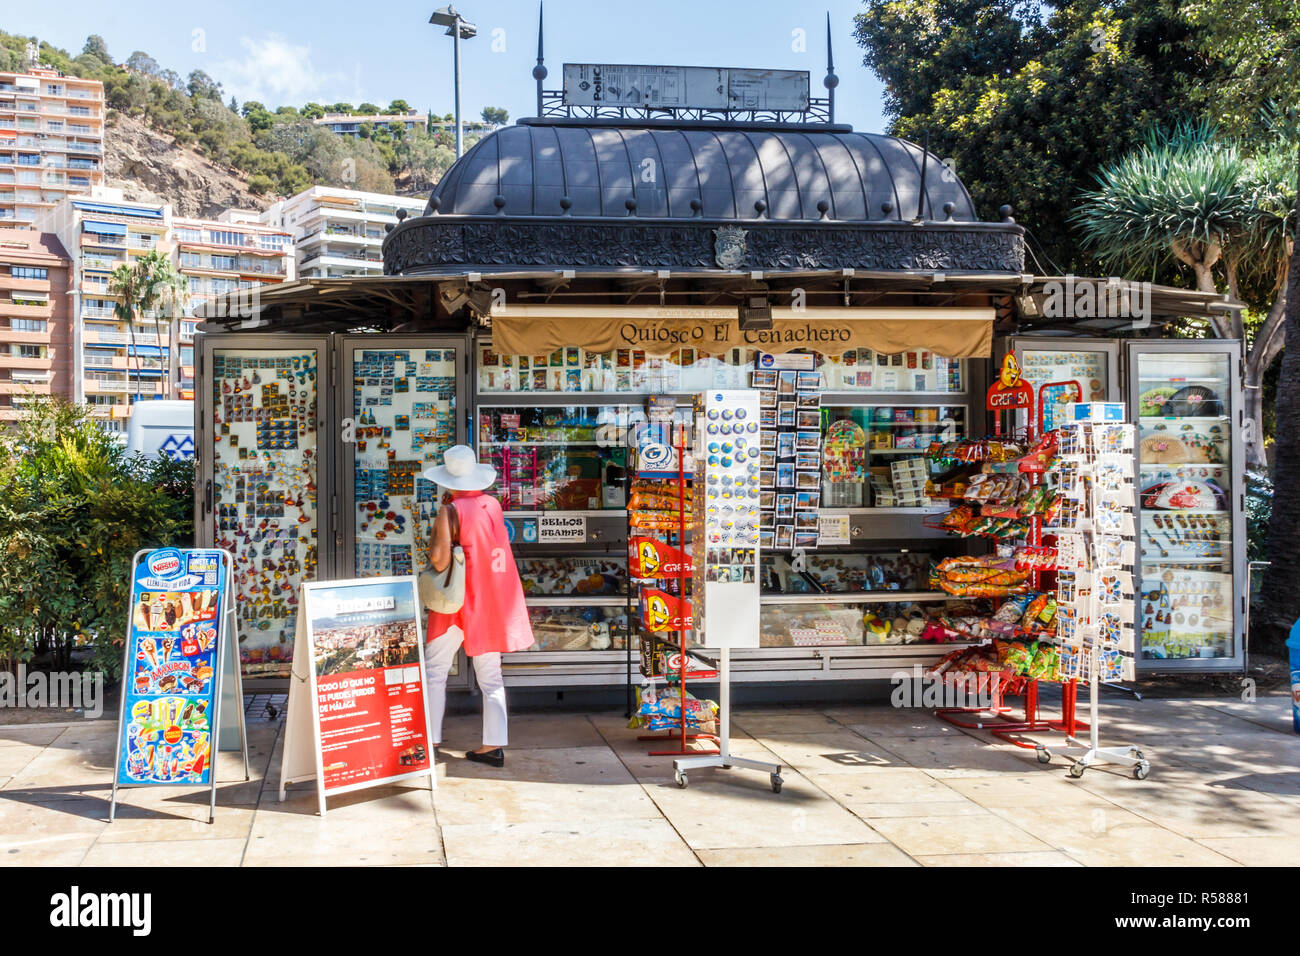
[539, 71]
[831, 81]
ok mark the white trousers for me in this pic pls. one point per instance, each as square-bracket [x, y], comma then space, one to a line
[439, 655]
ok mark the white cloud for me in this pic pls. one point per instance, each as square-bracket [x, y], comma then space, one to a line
[277, 73]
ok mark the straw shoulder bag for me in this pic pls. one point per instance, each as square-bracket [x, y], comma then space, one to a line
[444, 591]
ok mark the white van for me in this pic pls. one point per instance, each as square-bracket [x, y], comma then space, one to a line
[161, 429]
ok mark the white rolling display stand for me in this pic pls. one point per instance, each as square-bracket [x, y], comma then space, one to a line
[1095, 556]
[725, 592]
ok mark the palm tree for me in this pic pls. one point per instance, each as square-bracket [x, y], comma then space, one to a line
[148, 284]
[1199, 199]
[164, 290]
[126, 283]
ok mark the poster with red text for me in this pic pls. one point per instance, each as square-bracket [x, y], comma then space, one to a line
[367, 674]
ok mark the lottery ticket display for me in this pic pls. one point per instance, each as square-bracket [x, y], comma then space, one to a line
[726, 519]
[404, 415]
[1094, 471]
[169, 684]
[264, 484]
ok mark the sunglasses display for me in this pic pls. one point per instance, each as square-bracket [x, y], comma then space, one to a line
[404, 414]
[264, 486]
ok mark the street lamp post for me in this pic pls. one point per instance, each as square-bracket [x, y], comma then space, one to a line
[458, 28]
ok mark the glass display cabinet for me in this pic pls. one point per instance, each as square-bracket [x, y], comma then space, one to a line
[264, 484]
[851, 614]
[1186, 400]
[400, 407]
[1092, 364]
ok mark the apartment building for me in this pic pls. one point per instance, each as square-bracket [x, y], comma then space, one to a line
[215, 256]
[338, 232]
[51, 142]
[115, 364]
[36, 353]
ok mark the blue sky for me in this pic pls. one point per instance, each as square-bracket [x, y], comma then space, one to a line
[379, 50]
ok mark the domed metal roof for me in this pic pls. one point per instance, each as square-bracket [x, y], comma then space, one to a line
[607, 169]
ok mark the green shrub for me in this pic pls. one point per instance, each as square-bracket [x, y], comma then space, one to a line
[74, 510]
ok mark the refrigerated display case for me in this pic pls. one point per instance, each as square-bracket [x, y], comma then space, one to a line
[265, 481]
[1186, 400]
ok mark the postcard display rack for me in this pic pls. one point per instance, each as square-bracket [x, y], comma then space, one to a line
[1095, 532]
[726, 550]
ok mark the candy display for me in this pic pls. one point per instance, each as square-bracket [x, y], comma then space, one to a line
[264, 491]
[557, 458]
[986, 576]
[404, 414]
[1033, 659]
[665, 708]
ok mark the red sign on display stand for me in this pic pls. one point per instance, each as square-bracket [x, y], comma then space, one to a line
[652, 558]
[1010, 390]
[358, 716]
[661, 611]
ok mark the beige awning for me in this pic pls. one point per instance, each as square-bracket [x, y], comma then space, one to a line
[541, 329]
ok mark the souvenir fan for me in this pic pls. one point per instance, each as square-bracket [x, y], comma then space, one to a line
[1151, 403]
[1193, 400]
[1179, 495]
[1159, 450]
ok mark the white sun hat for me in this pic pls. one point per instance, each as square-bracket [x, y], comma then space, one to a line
[461, 471]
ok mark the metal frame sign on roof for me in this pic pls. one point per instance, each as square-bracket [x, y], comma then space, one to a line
[685, 87]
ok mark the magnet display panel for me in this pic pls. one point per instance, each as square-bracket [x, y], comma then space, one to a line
[404, 402]
[265, 471]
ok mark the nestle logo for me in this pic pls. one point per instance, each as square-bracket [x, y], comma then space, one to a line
[165, 564]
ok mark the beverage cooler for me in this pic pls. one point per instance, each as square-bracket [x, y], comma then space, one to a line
[1185, 398]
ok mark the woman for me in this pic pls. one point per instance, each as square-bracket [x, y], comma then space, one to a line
[493, 619]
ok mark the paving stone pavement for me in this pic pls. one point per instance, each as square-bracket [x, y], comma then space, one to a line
[864, 786]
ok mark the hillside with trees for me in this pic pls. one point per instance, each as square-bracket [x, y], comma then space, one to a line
[274, 150]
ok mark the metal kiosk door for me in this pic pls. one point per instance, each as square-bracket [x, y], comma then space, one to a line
[264, 481]
[1186, 399]
[401, 402]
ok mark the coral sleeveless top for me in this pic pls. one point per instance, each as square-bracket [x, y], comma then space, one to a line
[493, 617]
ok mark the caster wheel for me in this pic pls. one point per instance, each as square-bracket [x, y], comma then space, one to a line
[776, 783]
[681, 780]
[1044, 755]
[1137, 754]
[1076, 770]
[1141, 770]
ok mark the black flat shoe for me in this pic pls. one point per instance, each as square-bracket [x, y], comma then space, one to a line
[493, 758]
